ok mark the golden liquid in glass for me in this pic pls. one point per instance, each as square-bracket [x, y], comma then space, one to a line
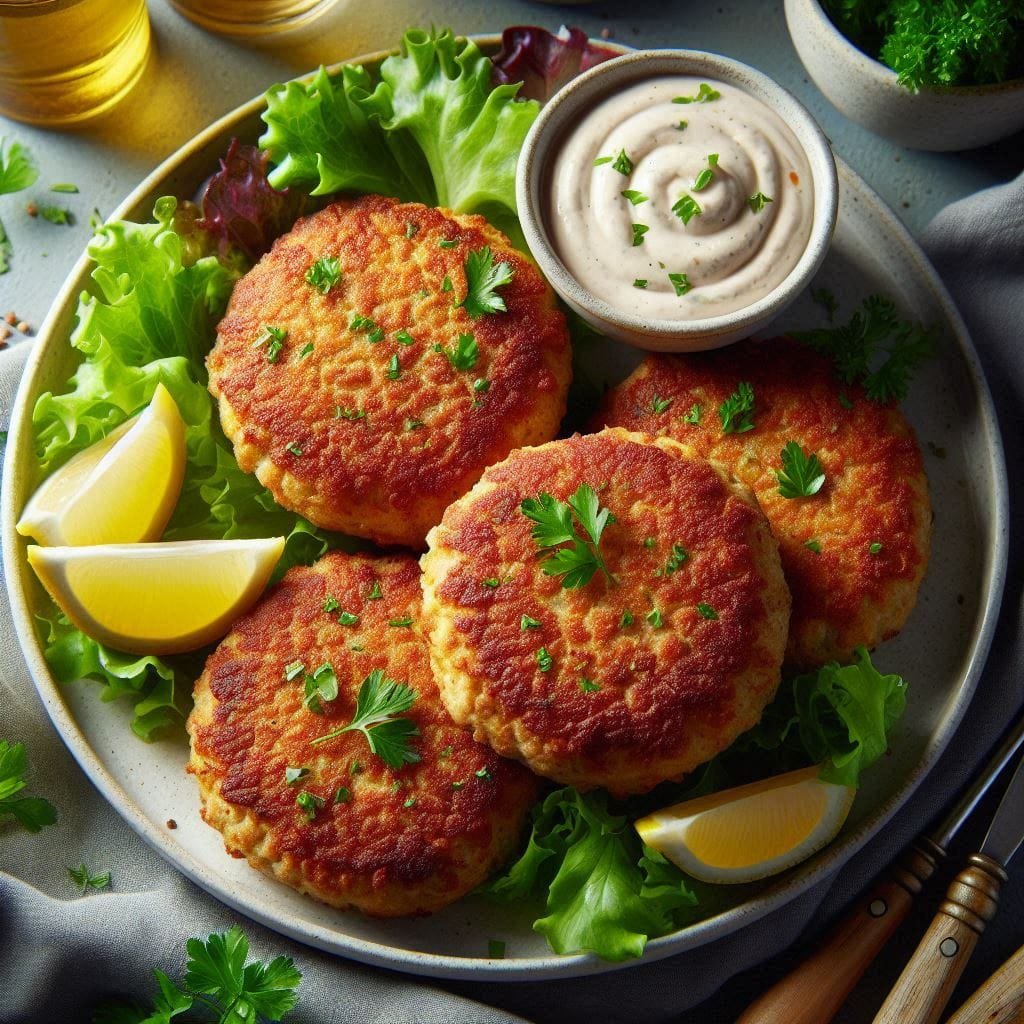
[251, 17]
[62, 61]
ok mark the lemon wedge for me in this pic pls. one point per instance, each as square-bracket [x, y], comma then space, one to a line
[118, 491]
[750, 832]
[157, 598]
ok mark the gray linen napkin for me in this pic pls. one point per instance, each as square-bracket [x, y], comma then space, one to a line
[60, 953]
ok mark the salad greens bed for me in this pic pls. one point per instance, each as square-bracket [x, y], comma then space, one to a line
[431, 126]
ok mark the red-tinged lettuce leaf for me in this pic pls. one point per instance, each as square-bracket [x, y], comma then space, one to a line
[240, 206]
[544, 62]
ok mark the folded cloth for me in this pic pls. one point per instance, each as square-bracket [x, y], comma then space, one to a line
[60, 954]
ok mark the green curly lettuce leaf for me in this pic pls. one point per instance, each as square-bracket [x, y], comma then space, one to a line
[432, 128]
[151, 320]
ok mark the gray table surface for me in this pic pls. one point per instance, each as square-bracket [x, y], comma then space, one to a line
[195, 77]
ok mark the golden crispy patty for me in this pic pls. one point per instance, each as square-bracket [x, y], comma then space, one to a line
[386, 841]
[855, 552]
[622, 683]
[361, 422]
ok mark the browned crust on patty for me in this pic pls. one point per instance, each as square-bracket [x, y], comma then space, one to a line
[875, 488]
[376, 852]
[426, 436]
[669, 697]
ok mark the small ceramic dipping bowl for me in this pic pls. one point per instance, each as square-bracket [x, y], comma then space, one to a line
[642, 312]
[868, 92]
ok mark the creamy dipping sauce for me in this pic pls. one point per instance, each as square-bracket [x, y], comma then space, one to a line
[697, 178]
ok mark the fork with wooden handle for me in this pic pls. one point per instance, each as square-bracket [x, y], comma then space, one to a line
[818, 987]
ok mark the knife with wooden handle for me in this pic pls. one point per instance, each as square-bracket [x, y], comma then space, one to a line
[818, 987]
[923, 989]
[1000, 1000]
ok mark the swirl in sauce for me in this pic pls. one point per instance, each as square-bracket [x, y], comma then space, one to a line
[733, 252]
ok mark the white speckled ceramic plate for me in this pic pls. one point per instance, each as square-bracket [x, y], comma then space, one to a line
[941, 651]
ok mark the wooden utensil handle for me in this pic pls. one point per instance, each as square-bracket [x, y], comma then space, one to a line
[1000, 1000]
[814, 991]
[923, 989]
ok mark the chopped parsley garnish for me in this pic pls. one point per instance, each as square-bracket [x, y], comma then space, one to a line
[310, 803]
[705, 177]
[86, 880]
[306, 350]
[348, 619]
[293, 447]
[414, 424]
[526, 622]
[355, 768]
[458, 785]
[394, 370]
[758, 201]
[639, 230]
[481, 385]
[640, 282]
[693, 416]
[375, 592]
[813, 545]
[448, 243]
[445, 752]
[578, 562]
[403, 337]
[707, 612]
[331, 604]
[464, 354]
[403, 623]
[705, 94]
[875, 547]
[686, 208]
[342, 795]
[655, 618]
[446, 284]
[736, 411]
[659, 404]
[273, 338]
[676, 559]
[680, 283]
[322, 685]
[324, 274]
[64, 187]
[55, 214]
[622, 163]
[636, 198]
[361, 323]
[681, 127]
[483, 773]
[341, 413]
[410, 801]
[544, 659]
[293, 670]
[603, 160]
[857, 348]
[588, 685]
[379, 700]
[801, 475]
[411, 228]
[492, 582]
[33, 812]
[648, 542]
[293, 775]
[483, 279]
[376, 335]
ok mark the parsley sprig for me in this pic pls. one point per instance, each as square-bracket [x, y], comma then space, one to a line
[801, 475]
[378, 701]
[86, 880]
[33, 812]
[560, 523]
[324, 274]
[483, 279]
[736, 411]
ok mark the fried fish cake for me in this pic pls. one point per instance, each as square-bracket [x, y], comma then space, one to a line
[369, 391]
[855, 552]
[333, 820]
[645, 671]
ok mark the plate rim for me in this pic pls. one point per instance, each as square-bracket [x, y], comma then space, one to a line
[551, 966]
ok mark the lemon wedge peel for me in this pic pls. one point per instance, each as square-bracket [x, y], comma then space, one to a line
[161, 598]
[120, 490]
[750, 832]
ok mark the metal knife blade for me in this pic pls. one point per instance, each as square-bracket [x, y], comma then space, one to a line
[1007, 829]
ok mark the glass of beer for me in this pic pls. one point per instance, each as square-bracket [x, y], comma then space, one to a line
[62, 61]
[249, 18]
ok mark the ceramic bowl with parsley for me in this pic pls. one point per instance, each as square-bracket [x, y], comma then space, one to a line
[929, 76]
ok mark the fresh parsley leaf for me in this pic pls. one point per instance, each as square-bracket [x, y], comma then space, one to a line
[636, 198]
[528, 622]
[411, 227]
[553, 519]
[341, 413]
[705, 611]
[626, 619]
[293, 775]
[348, 619]
[622, 163]
[801, 475]
[680, 283]
[603, 160]
[17, 171]
[481, 385]
[403, 337]
[681, 126]
[375, 592]
[403, 623]
[273, 338]
[64, 187]
[306, 350]
[446, 284]
[875, 547]
[378, 702]
[34, 813]
[483, 279]
[86, 880]
[686, 208]
[56, 214]
[322, 685]
[342, 795]
[394, 370]
[736, 411]
[693, 416]
[492, 583]
[705, 177]
[676, 559]
[293, 447]
[588, 685]
[705, 94]
[464, 354]
[639, 230]
[293, 670]
[758, 201]
[483, 773]
[640, 282]
[324, 274]
[813, 545]
[310, 804]
[655, 618]
[447, 243]
[659, 404]
[544, 659]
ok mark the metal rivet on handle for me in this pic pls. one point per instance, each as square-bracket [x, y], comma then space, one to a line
[949, 947]
[877, 908]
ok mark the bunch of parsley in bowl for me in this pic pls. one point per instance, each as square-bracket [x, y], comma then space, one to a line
[939, 76]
